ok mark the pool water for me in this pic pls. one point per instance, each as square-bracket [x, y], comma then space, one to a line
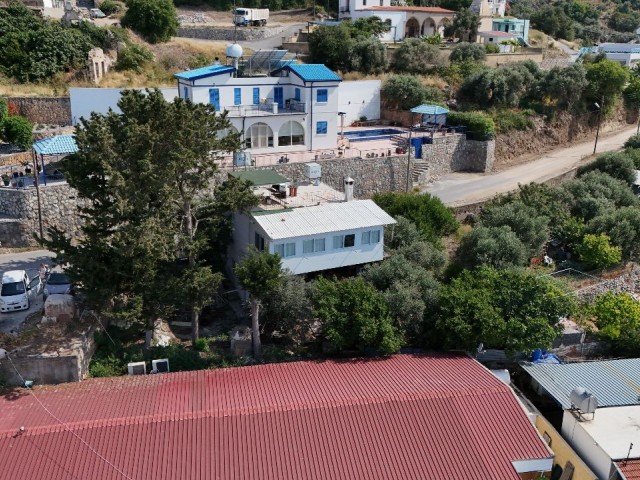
[373, 134]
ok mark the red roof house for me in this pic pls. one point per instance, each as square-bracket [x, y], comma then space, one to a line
[406, 417]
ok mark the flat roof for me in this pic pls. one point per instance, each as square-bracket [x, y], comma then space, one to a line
[322, 219]
[614, 429]
[260, 178]
[435, 416]
[410, 9]
[613, 382]
[204, 72]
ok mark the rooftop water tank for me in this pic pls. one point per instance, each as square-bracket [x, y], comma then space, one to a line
[234, 50]
[583, 400]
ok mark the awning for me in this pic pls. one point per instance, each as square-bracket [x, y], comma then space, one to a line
[57, 145]
[430, 110]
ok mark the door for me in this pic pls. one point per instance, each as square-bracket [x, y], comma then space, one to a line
[278, 96]
[33, 287]
[214, 98]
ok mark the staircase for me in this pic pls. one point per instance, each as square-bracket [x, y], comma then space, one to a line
[419, 167]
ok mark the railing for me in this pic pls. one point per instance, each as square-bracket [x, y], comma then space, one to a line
[290, 106]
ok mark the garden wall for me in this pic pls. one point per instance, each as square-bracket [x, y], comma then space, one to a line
[222, 33]
[48, 110]
[455, 153]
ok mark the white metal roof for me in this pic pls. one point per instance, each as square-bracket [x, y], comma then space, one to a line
[13, 276]
[326, 218]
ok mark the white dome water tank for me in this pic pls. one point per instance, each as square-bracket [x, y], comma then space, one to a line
[234, 50]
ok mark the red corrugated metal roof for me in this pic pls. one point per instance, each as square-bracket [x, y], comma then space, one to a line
[424, 416]
[411, 9]
[630, 469]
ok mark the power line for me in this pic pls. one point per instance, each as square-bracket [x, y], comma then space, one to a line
[93, 450]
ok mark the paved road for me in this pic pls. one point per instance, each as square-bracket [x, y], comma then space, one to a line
[29, 261]
[255, 45]
[465, 188]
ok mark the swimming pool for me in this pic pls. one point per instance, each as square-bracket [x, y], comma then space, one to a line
[373, 134]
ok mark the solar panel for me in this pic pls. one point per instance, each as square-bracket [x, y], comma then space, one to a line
[266, 60]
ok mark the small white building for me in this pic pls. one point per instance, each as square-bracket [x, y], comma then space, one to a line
[296, 108]
[404, 21]
[312, 229]
[627, 54]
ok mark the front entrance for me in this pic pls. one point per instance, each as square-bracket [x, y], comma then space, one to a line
[278, 96]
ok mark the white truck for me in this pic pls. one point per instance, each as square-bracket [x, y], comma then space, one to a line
[250, 16]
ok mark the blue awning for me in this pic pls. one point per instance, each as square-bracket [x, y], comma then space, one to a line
[57, 145]
[430, 110]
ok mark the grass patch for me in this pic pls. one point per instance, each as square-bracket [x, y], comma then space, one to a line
[507, 120]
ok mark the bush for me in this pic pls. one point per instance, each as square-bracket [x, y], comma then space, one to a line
[416, 56]
[616, 313]
[4, 113]
[109, 7]
[622, 226]
[133, 57]
[201, 344]
[633, 142]
[19, 131]
[491, 48]
[109, 366]
[369, 55]
[595, 251]
[479, 125]
[499, 247]
[404, 92]
[616, 164]
[155, 20]
[507, 120]
[468, 51]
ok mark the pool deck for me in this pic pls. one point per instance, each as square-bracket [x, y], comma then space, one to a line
[358, 149]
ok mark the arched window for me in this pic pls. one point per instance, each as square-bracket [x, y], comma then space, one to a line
[291, 133]
[226, 131]
[259, 135]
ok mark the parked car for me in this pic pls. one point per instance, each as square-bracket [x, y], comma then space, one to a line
[17, 290]
[58, 282]
[96, 13]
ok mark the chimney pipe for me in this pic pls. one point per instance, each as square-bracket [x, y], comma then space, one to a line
[348, 189]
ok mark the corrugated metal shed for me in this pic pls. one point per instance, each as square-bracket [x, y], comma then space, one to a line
[260, 177]
[326, 218]
[408, 416]
[613, 382]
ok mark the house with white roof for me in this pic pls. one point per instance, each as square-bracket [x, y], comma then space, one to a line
[404, 21]
[310, 225]
[293, 109]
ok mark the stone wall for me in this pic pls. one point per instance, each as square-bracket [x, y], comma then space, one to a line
[15, 158]
[59, 209]
[49, 110]
[629, 282]
[221, 33]
[371, 175]
[454, 153]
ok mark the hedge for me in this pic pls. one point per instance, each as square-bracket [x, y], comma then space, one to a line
[479, 125]
[19, 131]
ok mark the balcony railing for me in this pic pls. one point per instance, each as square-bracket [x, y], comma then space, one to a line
[269, 108]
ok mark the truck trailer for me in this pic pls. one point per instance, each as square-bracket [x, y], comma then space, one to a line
[250, 16]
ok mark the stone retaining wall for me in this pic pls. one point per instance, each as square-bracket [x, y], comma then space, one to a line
[221, 33]
[59, 209]
[44, 110]
[627, 282]
[15, 158]
[454, 153]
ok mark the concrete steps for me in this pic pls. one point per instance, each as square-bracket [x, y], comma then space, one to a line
[419, 167]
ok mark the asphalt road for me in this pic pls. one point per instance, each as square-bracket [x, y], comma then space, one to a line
[458, 189]
[29, 261]
[255, 45]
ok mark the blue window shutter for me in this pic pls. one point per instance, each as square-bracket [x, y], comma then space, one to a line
[297, 95]
[321, 128]
[256, 96]
[214, 98]
[237, 96]
[322, 95]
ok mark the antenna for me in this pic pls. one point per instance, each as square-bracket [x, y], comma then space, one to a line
[628, 453]
[235, 24]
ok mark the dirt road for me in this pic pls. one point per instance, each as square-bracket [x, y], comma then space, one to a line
[458, 189]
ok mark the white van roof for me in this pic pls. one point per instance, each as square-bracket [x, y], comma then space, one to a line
[13, 276]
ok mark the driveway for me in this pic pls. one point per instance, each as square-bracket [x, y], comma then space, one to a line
[29, 261]
[458, 189]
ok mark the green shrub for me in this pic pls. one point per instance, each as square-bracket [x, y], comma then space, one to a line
[109, 366]
[492, 48]
[201, 345]
[633, 142]
[465, 51]
[479, 125]
[595, 251]
[109, 7]
[133, 57]
[4, 113]
[19, 131]
[404, 92]
[617, 164]
[507, 120]
[155, 20]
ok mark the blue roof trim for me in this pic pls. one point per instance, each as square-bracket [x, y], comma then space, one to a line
[204, 72]
[58, 145]
[313, 72]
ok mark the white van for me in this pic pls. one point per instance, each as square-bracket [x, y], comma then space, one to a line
[17, 291]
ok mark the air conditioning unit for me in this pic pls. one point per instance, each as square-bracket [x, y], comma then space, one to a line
[312, 170]
[161, 365]
[137, 368]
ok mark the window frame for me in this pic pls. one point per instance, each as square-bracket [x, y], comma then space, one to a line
[285, 250]
[322, 95]
[340, 241]
[256, 95]
[258, 241]
[316, 243]
[237, 96]
[322, 127]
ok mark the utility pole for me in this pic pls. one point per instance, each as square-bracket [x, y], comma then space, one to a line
[600, 108]
[37, 185]
[409, 155]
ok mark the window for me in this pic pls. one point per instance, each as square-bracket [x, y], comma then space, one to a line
[382, 3]
[259, 242]
[296, 96]
[344, 241]
[364, 3]
[256, 96]
[185, 91]
[237, 96]
[313, 245]
[285, 249]
[370, 237]
[322, 95]
[214, 98]
[291, 133]
[259, 135]
[321, 128]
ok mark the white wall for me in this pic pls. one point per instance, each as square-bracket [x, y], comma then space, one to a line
[359, 98]
[100, 100]
[585, 446]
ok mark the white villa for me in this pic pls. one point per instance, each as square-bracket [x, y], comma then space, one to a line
[405, 21]
[311, 226]
[295, 108]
